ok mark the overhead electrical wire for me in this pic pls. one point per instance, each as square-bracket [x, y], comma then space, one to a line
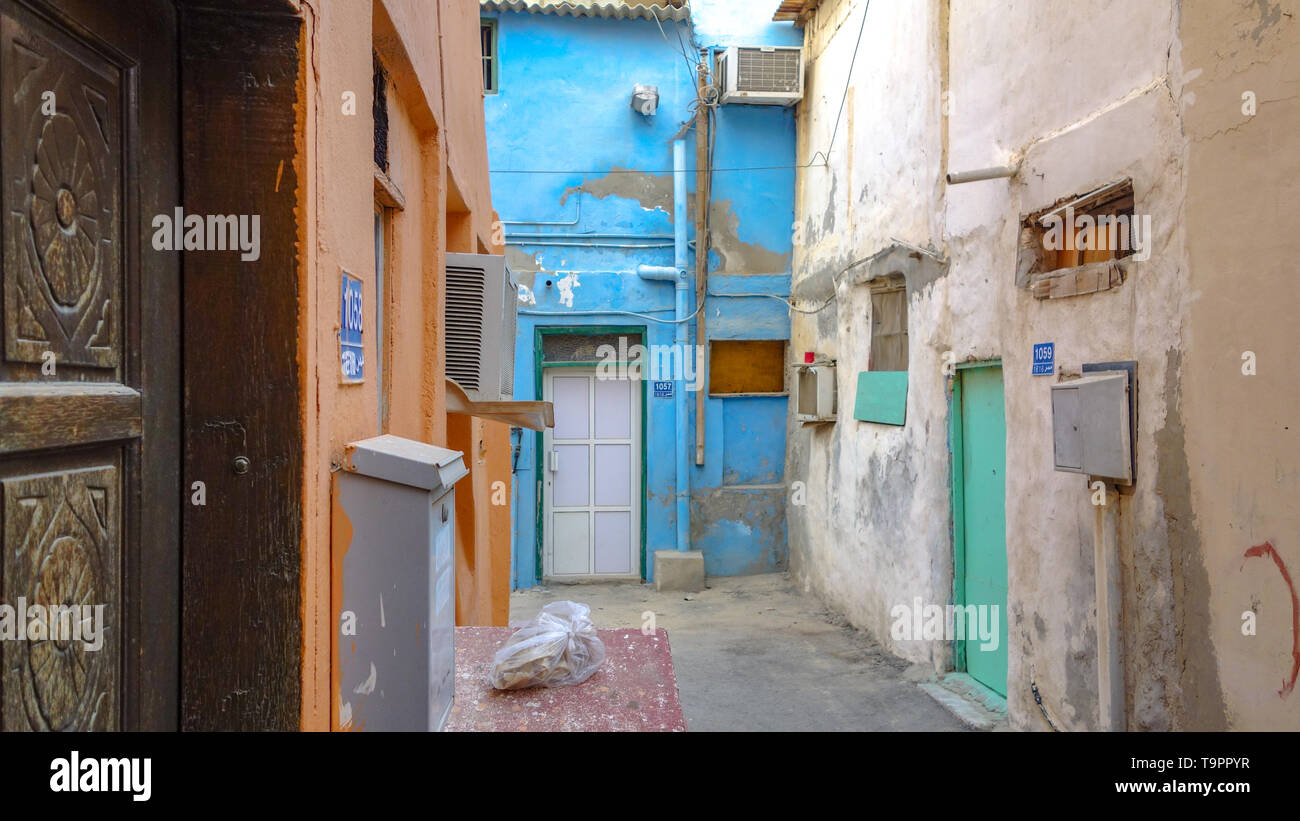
[826, 158]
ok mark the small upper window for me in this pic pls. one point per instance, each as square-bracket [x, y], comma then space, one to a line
[888, 325]
[487, 31]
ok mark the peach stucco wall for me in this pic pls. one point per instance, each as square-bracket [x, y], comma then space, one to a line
[436, 133]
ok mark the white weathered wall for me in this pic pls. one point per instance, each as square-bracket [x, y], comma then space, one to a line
[874, 531]
[1083, 95]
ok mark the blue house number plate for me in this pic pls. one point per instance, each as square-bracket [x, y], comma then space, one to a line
[352, 357]
[1044, 359]
[663, 388]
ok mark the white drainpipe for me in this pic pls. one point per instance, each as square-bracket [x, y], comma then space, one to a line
[677, 275]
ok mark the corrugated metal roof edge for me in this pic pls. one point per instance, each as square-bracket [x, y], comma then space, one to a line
[795, 11]
[620, 11]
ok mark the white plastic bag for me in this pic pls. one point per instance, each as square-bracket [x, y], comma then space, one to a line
[557, 648]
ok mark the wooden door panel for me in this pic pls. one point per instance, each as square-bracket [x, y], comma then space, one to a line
[89, 453]
[62, 199]
[63, 547]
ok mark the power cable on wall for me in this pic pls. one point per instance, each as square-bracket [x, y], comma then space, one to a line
[848, 78]
[1038, 699]
[788, 303]
[699, 308]
[616, 313]
[834, 279]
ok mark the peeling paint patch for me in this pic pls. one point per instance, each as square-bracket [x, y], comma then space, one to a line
[741, 532]
[367, 687]
[653, 191]
[1268, 17]
[737, 256]
[523, 265]
[566, 286]
[1195, 663]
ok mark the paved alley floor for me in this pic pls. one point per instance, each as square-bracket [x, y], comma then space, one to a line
[753, 654]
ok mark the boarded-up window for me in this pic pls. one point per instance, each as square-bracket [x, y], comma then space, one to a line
[1094, 227]
[888, 325]
[739, 366]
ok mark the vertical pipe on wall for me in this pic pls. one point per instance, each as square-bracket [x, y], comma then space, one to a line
[1106, 572]
[701, 237]
[682, 310]
[681, 339]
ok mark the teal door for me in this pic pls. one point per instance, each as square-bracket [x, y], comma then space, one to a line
[982, 541]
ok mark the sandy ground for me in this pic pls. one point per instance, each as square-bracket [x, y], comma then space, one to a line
[751, 653]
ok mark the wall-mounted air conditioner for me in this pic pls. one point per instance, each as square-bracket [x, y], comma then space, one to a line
[761, 75]
[482, 308]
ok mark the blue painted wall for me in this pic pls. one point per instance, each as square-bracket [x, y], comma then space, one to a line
[560, 122]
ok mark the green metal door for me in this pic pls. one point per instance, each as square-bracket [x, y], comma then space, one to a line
[983, 520]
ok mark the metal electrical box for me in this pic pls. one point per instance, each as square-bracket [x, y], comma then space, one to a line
[393, 530]
[1092, 426]
[816, 393]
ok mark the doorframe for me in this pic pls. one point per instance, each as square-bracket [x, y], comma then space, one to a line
[539, 363]
[243, 400]
[957, 495]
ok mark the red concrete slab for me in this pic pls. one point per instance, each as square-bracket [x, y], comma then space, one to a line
[635, 690]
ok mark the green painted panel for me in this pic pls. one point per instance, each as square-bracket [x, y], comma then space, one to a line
[984, 524]
[882, 397]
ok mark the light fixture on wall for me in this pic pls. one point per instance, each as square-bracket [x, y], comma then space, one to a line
[645, 99]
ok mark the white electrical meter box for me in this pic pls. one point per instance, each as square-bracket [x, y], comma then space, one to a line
[1092, 426]
[816, 393]
[393, 535]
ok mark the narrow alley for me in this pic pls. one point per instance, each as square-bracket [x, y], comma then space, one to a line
[655, 370]
[753, 655]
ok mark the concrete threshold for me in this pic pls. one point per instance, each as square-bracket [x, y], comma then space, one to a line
[972, 703]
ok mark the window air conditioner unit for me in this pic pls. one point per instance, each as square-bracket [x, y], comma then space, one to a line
[761, 75]
[482, 308]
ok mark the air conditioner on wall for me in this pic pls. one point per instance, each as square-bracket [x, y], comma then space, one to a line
[482, 309]
[761, 75]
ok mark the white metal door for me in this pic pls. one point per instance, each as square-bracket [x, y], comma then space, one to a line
[591, 467]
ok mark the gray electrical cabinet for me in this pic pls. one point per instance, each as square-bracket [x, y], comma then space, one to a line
[1092, 426]
[393, 525]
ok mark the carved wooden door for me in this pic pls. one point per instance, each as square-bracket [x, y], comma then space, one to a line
[89, 385]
